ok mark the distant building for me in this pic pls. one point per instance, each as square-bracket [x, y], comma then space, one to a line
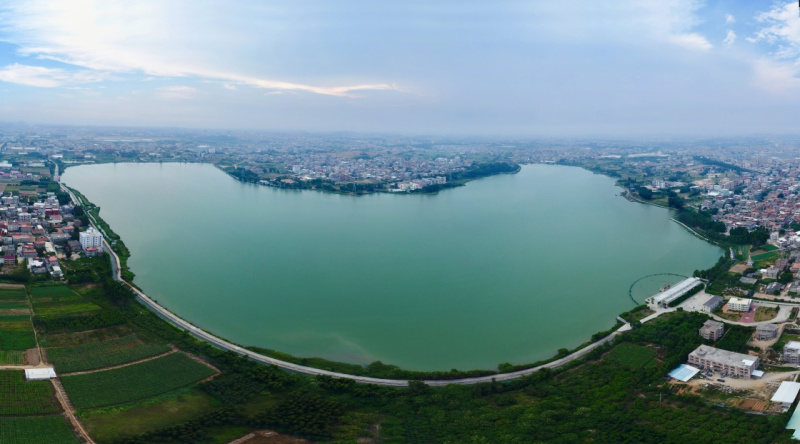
[791, 352]
[723, 361]
[712, 330]
[91, 238]
[739, 304]
[765, 332]
[773, 287]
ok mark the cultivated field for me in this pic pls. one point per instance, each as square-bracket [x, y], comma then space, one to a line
[12, 357]
[631, 354]
[17, 340]
[59, 300]
[103, 354]
[36, 429]
[21, 397]
[134, 382]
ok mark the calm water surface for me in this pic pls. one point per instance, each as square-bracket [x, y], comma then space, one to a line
[507, 269]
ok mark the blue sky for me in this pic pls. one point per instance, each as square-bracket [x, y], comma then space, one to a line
[511, 68]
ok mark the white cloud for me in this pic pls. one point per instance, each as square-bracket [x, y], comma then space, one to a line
[730, 38]
[229, 86]
[46, 77]
[729, 19]
[155, 38]
[178, 92]
[691, 41]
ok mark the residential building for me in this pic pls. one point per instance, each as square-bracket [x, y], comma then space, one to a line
[712, 330]
[739, 304]
[91, 238]
[791, 352]
[723, 361]
[765, 332]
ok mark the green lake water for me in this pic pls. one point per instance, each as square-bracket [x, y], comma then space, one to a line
[509, 268]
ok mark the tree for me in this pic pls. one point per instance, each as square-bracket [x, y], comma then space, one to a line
[786, 277]
[645, 193]
[675, 202]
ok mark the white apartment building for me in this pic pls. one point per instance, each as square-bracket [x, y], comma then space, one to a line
[739, 304]
[91, 238]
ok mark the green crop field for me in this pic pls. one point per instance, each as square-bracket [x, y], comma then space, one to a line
[51, 291]
[631, 354]
[134, 382]
[21, 397]
[15, 318]
[8, 294]
[17, 325]
[17, 340]
[14, 305]
[103, 354]
[36, 429]
[50, 309]
[11, 357]
[770, 247]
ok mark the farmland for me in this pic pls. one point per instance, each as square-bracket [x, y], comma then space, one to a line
[17, 340]
[36, 429]
[12, 294]
[134, 382]
[632, 355]
[103, 354]
[59, 291]
[21, 397]
[59, 300]
[12, 357]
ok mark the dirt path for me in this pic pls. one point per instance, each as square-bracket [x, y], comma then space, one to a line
[150, 358]
[218, 371]
[69, 411]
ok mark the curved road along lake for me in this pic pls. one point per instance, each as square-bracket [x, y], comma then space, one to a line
[509, 268]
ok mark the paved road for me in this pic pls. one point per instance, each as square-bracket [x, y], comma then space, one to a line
[225, 345]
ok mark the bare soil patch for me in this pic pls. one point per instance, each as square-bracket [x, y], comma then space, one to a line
[31, 357]
[268, 437]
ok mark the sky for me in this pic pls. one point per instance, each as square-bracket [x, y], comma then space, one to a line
[563, 68]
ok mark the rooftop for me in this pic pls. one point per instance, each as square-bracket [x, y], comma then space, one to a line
[724, 357]
[787, 392]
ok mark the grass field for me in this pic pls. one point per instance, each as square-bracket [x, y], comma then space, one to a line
[765, 313]
[21, 397]
[103, 354]
[17, 340]
[632, 355]
[120, 423]
[15, 357]
[134, 382]
[768, 256]
[69, 339]
[36, 429]
[769, 247]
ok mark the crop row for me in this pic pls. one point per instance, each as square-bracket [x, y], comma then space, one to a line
[14, 357]
[51, 291]
[7, 294]
[21, 397]
[103, 354]
[134, 382]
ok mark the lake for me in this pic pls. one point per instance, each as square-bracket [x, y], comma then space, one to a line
[509, 268]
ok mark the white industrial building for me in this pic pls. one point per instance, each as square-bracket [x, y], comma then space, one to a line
[39, 374]
[786, 394]
[664, 298]
[91, 238]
